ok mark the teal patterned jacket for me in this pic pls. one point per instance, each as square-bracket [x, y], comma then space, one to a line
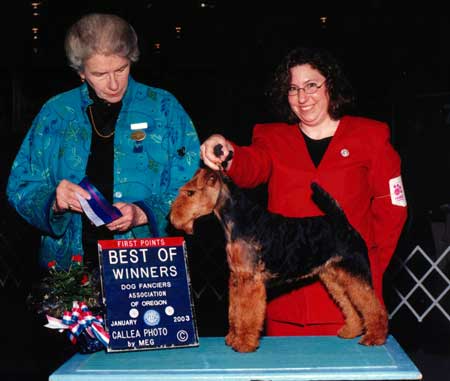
[148, 172]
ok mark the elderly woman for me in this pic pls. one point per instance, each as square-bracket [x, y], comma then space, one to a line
[135, 143]
[351, 157]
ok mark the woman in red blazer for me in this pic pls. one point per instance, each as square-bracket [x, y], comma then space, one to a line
[351, 157]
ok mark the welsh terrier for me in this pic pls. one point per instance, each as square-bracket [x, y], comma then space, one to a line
[262, 247]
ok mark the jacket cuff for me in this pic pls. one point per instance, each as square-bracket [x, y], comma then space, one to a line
[56, 222]
[151, 220]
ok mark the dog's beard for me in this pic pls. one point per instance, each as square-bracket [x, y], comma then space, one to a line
[186, 226]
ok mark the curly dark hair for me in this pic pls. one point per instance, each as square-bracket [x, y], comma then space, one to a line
[339, 88]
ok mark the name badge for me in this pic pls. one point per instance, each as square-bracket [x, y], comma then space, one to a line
[138, 126]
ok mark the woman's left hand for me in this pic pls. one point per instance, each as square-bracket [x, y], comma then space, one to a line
[132, 216]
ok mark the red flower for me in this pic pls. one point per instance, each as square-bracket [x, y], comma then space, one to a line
[77, 259]
[51, 264]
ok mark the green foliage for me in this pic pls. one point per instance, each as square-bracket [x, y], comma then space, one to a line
[58, 290]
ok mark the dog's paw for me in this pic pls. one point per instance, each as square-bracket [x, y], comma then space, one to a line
[230, 338]
[350, 332]
[245, 344]
[370, 339]
[245, 347]
[239, 345]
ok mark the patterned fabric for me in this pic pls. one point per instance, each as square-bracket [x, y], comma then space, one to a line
[148, 172]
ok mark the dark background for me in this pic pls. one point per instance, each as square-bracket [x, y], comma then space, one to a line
[217, 65]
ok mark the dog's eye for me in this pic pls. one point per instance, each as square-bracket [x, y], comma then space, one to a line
[190, 193]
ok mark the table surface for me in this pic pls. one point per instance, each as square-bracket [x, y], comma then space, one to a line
[278, 358]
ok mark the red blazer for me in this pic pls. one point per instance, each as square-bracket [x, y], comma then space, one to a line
[355, 170]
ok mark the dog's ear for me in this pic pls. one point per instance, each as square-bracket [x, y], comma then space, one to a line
[211, 178]
[208, 177]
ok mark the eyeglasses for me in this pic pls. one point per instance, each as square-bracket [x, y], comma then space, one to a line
[310, 88]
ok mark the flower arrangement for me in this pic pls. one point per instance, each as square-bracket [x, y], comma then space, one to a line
[58, 290]
[71, 302]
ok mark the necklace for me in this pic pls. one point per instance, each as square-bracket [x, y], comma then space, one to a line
[95, 128]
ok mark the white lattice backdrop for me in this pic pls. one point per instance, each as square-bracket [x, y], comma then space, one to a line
[422, 284]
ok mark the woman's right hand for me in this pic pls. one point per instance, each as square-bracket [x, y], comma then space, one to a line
[210, 155]
[66, 197]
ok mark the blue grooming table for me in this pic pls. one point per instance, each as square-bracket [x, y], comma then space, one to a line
[278, 358]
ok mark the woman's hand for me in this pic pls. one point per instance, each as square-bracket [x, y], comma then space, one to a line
[66, 197]
[214, 151]
[132, 216]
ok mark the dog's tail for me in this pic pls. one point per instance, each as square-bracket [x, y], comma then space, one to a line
[326, 202]
[347, 236]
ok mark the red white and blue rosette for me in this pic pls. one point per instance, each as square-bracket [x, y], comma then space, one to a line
[80, 320]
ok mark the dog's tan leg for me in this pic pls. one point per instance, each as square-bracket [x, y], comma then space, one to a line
[247, 297]
[233, 291]
[353, 325]
[374, 314]
[250, 307]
